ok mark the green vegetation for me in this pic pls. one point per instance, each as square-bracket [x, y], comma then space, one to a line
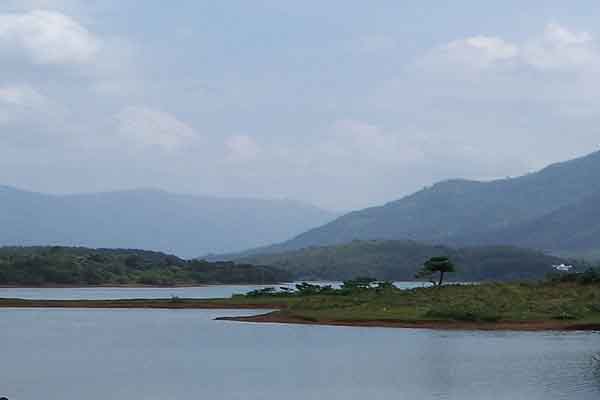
[401, 260]
[441, 265]
[588, 277]
[568, 300]
[81, 266]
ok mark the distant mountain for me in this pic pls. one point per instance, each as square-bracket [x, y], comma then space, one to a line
[185, 225]
[400, 260]
[461, 212]
[575, 227]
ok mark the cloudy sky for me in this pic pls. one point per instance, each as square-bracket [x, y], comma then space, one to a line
[343, 104]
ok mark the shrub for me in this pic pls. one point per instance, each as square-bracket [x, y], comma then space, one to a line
[176, 299]
[261, 292]
[470, 313]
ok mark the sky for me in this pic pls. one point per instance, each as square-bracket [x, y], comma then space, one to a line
[342, 104]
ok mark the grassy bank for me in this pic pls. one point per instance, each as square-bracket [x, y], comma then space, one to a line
[521, 306]
[563, 305]
[486, 303]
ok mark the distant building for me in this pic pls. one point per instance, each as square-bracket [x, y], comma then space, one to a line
[563, 267]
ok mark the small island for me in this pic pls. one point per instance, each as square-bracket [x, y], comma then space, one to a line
[549, 305]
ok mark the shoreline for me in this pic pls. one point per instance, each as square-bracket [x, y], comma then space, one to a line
[281, 317]
[278, 317]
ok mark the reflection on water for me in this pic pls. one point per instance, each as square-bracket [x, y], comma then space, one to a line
[596, 367]
[184, 354]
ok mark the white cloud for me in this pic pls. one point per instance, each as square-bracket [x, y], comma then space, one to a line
[148, 127]
[560, 48]
[48, 37]
[556, 48]
[242, 148]
[562, 36]
[480, 51]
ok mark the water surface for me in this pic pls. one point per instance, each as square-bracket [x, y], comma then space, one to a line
[111, 293]
[184, 354]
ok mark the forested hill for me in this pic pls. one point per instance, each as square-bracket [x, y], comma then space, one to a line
[575, 227]
[185, 225]
[33, 266]
[459, 212]
[400, 260]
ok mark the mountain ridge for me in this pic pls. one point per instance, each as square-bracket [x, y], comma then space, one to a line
[186, 225]
[457, 211]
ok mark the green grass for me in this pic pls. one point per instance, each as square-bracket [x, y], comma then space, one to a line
[571, 303]
[475, 303]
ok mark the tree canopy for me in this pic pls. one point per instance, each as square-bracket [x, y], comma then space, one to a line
[441, 265]
[36, 266]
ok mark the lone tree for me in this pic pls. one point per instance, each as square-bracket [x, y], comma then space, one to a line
[435, 265]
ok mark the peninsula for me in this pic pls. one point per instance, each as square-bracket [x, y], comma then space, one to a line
[562, 304]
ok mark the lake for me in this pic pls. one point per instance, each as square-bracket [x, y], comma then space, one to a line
[184, 354]
[109, 293]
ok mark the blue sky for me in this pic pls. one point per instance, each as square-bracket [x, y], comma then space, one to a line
[343, 104]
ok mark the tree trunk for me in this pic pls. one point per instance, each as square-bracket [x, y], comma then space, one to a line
[441, 278]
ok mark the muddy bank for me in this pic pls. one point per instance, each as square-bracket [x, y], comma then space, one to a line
[284, 318]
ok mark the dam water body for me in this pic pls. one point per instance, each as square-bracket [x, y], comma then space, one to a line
[184, 354]
[93, 354]
[109, 293]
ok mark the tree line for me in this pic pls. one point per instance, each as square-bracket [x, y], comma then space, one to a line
[38, 266]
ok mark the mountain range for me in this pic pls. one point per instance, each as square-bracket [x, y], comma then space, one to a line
[184, 225]
[556, 209]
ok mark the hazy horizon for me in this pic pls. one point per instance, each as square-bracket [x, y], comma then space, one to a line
[161, 190]
[342, 105]
[337, 211]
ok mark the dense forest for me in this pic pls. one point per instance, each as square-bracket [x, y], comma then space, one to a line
[37, 266]
[401, 259]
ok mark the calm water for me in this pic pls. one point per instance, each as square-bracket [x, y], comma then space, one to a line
[146, 293]
[184, 354]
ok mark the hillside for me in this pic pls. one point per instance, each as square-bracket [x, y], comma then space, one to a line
[34, 266]
[185, 225]
[458, 212]
[579, 225]
[399, 260]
